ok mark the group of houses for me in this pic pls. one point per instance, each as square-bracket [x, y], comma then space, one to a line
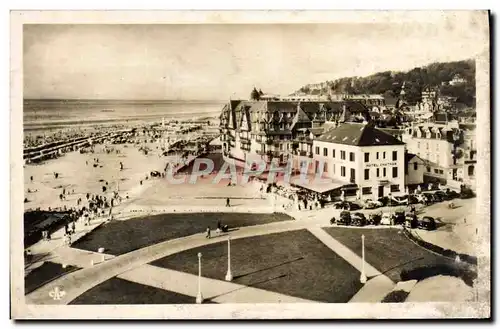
[339, 140]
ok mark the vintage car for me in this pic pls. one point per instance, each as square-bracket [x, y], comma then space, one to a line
[358, 219]
[372, 204]
[374, 219]
[345, 218]
[427, 223]
[386, 219]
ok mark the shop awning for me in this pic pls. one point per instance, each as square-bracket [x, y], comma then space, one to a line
[316, 185]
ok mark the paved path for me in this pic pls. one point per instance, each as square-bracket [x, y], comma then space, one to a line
[76, 283]
[216, 290]
[377, 286]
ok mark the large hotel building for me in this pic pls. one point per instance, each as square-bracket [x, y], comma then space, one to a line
[323, 134]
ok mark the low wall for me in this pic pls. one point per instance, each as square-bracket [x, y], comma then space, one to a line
[439, 250]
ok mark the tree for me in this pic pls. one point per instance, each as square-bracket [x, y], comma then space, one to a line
[254, 95]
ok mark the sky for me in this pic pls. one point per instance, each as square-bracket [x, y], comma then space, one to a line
[209, 61]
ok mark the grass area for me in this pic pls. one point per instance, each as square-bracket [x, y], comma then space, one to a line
[119, 291]
[389, 251]
[119, 237]
[45, 273]
[293, 263]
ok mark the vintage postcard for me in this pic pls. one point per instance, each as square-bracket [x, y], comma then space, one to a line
[250, 165]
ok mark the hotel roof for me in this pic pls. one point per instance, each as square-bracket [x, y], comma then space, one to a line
[358, 134]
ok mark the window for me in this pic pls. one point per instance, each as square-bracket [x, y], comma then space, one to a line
[470, 171]
[377, 155]
[282, 137]
[436, 171]
[383, 155]
[437, 158]
[378, 172]
[394, 172]
[325, 167]
[342, 155]
[415, 166]
[325, 152]
[353, 175]
[366, 190]
[428, 169]
[367, 174]
[367, 157]
[385, 172]
[441, 172]
[333, 153]
[342, 171]
[394, 155]
[351, 156]
[317, 149]
[394, 188]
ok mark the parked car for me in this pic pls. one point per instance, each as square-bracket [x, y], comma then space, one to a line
[345, 205]
[358, 219]
[374, 219]
[371, 204]
[399, 218]
[384, 201]
[466, 193]
[340, 205]
[345, 218]
[411, 221]
[441, 194]
[412, 199]
[354, 206]
[427, 223]
[452, 194]
[386, 219]
[332, 221]
[422, 198]
[430, 197]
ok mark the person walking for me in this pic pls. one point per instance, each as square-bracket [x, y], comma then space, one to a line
[228, 203]
[208, 232]
[73, 227]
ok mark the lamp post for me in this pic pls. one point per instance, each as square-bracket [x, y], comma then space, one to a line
[229, 275]
[199, 296]
[362, 278]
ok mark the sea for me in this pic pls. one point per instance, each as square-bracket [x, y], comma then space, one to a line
[46, 114]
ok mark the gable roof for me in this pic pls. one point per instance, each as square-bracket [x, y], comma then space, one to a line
[358, 134]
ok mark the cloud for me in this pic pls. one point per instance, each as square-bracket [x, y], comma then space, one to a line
[216, 61]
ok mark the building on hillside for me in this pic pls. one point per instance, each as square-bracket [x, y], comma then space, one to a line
[366, 159]
[279, 129]
[448, 149]
[457, 80]
[365, 99]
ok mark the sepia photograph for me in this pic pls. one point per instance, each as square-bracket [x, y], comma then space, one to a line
[246, 165]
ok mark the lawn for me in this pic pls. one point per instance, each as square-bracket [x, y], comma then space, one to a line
[120, 237]
[293, 263]
[119, 291]
[388, 250]
[43, 274]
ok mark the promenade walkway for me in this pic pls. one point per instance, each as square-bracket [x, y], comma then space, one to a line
[216, 290]
[76, 283]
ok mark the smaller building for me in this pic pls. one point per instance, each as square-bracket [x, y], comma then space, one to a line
[414, 171]
[364, 158]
